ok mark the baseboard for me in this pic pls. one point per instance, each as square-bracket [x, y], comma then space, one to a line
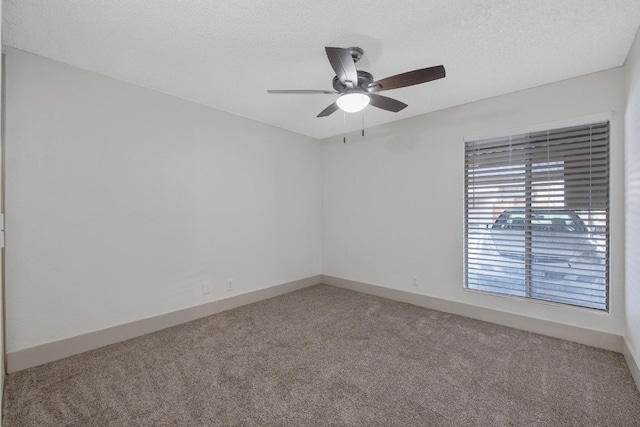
[605, 340]
[632, 361]
[44, 353]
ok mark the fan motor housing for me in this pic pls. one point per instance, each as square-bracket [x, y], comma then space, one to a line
[364, 80]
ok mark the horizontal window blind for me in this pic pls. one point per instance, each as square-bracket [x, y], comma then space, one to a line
[537, 215]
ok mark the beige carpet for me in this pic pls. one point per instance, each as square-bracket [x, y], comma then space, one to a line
[327, 356]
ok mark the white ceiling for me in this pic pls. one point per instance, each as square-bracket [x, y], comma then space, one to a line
[226, 54]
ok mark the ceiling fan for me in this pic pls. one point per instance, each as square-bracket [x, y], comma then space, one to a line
[356, 87]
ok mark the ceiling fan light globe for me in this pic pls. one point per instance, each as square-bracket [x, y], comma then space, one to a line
[353, 102]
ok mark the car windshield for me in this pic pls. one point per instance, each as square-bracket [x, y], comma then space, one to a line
[541, 221]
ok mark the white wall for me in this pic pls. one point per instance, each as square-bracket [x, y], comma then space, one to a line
[632, 198]
[122, 201]
[393, 200]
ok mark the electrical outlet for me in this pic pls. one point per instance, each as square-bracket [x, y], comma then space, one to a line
[414, 280]
[206, 288]
[229, 284]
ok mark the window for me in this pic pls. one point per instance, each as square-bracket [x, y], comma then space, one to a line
[537, 215]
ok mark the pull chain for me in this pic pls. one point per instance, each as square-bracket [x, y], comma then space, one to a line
[344, 127]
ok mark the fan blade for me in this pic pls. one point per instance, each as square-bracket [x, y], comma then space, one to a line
[329, 110]
[343, 65]
[311, 92]
[410, 78]
[386, 103]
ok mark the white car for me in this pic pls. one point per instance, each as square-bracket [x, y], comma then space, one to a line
[565, 260]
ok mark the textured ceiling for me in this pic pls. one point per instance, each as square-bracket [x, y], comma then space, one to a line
[227, 54]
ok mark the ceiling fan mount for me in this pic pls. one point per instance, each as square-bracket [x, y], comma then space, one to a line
[356, 87]
[356, 53]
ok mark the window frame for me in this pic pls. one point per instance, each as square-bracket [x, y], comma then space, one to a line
[529, 209]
